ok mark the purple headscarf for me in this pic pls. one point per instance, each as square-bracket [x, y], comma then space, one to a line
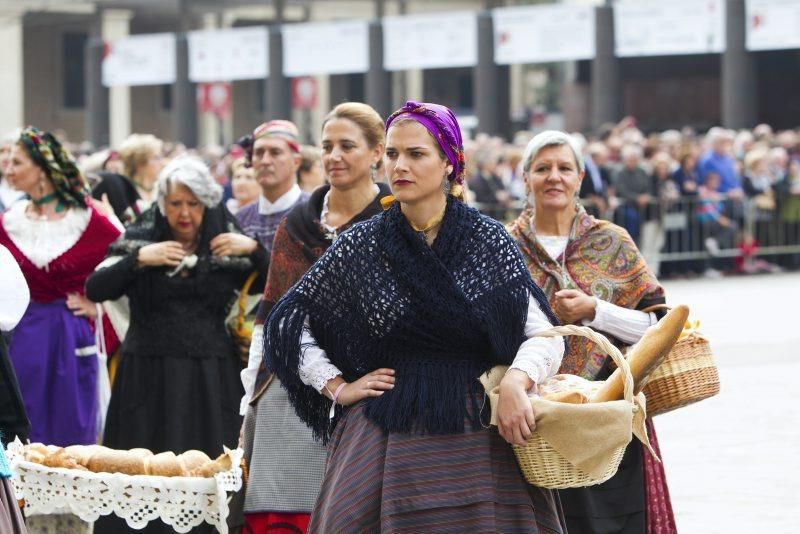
[443, 126]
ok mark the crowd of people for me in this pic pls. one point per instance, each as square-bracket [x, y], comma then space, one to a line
[680, 195]
[383, 297]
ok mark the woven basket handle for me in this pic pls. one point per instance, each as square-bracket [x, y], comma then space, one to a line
[243, 299]
[603, 343]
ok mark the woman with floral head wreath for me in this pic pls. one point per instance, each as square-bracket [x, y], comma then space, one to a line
[380, 345]
[58, 238]
[593, 275]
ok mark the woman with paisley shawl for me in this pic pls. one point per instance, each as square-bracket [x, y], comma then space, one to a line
[593, 275]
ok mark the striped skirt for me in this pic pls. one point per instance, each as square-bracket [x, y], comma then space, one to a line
[427, 483]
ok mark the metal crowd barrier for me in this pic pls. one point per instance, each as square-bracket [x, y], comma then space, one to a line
[680, 232]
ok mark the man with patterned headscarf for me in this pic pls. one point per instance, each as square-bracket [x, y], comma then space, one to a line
[274, 153]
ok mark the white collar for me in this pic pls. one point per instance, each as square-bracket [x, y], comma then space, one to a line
[44, 241]
[331, 232]
[286, 201]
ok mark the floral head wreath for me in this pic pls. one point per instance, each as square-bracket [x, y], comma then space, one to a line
[441, 123]
[47, 152]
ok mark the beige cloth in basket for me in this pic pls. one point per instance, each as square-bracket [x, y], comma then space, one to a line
[586, 435]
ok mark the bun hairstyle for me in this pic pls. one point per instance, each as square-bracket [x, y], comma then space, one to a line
[367, 120]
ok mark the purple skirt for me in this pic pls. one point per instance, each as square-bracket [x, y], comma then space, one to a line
[55, 358]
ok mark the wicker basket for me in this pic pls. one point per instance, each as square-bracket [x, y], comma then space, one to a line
[687, 375]
[540, 463]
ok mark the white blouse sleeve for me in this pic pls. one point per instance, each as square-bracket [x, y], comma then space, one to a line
[250, 374]
[14, 293]
[539, 357]
[623, 323]
[315, 367]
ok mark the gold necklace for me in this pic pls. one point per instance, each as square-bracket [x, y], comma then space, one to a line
[431, 224]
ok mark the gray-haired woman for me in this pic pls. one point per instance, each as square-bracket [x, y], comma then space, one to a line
[177, 387]
[593, 275]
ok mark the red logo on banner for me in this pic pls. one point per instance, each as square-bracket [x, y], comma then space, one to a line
[215, 98]
[304, 92]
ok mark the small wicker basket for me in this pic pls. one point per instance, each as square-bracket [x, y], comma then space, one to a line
[687, 375]
[541, 464]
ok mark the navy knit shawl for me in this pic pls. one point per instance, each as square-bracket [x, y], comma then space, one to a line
[438, 315]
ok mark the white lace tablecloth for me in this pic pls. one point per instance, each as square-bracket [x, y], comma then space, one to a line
[182, 502]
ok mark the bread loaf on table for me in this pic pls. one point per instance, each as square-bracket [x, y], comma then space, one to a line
[99, 459]
[192, 459]
[113, 461]
[646, 355]
[209, 469]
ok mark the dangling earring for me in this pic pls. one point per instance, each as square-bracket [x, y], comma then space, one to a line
[373, 172]
[446, 186]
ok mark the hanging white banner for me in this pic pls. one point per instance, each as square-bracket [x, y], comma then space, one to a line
[773, 24]
[540, 34]
[140, 60]
[313, 48]
[657, 28]
[229, 54]
[430, 41]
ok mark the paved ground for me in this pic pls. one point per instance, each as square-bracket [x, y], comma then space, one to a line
[733, 461]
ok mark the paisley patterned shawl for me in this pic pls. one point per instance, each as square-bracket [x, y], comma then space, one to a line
[601, 260]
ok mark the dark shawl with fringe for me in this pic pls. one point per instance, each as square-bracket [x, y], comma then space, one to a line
[438, 315]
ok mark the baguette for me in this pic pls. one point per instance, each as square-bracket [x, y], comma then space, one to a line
[646, 355]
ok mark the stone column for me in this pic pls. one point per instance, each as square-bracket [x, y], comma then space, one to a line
[491, 83]
[739, 85]
[12, 105]
[279, 105]
[378, 80]
[97, 101]
[606, 82]
[209, 123]
[115, 24]
[184, 92]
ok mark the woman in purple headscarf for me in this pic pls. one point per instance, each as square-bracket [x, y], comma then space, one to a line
[381, 344]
